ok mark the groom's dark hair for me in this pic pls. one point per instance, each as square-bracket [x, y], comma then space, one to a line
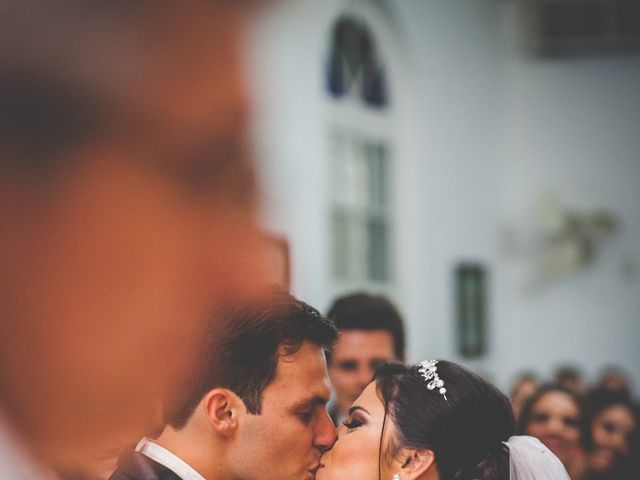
[241, 349]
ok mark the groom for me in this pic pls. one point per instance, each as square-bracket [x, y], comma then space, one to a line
[255, 407]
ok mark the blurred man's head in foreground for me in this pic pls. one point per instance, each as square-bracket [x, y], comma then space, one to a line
[126, 210]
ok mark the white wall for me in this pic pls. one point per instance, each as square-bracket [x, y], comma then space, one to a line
[457, 63]
[287, 71]
[484, 130]
[572, 127]
[293, 117]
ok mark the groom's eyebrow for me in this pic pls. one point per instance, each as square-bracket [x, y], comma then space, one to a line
[317, 400]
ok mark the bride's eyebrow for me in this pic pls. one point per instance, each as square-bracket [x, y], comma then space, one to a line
[356, 408]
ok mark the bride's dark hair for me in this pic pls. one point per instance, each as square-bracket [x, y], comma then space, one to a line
[465, 432]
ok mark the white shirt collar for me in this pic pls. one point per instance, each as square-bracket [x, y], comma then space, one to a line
[155, 452]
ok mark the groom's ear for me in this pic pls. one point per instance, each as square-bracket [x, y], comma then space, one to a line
[419, 464]
[221, 410]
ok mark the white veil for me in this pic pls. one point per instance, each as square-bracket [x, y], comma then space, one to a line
[531, 460]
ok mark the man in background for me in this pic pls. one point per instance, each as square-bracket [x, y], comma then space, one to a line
[252, 406]
[614, 379]
[570, 377]
[126, 211]
[371, 331]
[522, 388]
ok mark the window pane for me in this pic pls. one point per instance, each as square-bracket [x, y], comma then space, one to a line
[377, 173]
[338, 155]
[356, 172]
[340, 253]
[378, 250]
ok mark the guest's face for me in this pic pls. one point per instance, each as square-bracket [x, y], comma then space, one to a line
[354, 361]
[110, 263]
[355, 454]
[285, 441]
[615, 381]
[611, 431]
[555, 421]
[521, 393]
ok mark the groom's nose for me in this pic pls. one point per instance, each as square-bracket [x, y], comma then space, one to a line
[325, 434]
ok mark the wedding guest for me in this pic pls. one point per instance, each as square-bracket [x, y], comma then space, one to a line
[371, 331]
[254, 405]
[570, 377]
[558, 416]
[615, 379]
[522, 388]
[615, 430]
[127, 209]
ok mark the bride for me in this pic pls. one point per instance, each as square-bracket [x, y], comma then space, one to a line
[434, 421]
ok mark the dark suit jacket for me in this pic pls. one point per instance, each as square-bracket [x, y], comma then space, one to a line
[136, 466]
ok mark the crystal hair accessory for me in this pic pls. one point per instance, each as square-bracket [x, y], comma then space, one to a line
[429, 372]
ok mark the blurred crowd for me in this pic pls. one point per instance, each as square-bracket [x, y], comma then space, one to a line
[594, 429]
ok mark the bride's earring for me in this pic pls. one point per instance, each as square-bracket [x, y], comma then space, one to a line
[396, 476]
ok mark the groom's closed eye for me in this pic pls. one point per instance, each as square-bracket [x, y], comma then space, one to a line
[307, 409]
[306, 416]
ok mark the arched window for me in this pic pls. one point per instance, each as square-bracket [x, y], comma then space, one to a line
[361, 152]
[354, 66]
